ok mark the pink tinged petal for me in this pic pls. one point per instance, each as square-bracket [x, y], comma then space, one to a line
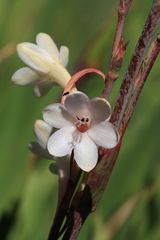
[61, 142]
[35, 57]
[86, 153]
[45, 41]
[57, 116]
[78, 105]
[104, 134]
[24, 76]
[42, 87]
[64, 55]
[42, 131]
[100, 109]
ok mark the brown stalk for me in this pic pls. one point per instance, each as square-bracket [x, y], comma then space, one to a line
[136, 61]
[139, 83]
[118, 49]
[62, 211]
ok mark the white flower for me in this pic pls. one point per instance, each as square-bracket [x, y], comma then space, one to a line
[42, 131]
[46, 64]
[60, 166]
[83, 127]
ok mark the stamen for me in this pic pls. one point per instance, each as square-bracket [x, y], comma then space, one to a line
[65, 93]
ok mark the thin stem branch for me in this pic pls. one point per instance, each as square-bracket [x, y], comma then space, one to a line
[118, 49]
[74, 226]
[63, 208]
[80, 208]
[123, 9]
[99, 177]
[136, 61]
[139, 83]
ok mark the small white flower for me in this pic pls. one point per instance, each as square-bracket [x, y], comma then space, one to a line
[83, 127]
[46, 64]
[60, 166]
[42, 131]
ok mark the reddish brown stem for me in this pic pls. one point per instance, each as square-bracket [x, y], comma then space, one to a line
[63, 207]
[119, 47]
[76, 77]
[139, 84]
[81, 208]
[136, 61]
[74, 226]
[122, 13]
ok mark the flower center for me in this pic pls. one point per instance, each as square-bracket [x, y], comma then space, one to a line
[82, 124]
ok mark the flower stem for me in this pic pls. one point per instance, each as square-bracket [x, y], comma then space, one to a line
[136, 61]
[62, 211]
[118, 49]
[139, 83]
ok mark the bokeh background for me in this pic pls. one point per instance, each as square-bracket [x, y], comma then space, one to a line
[130, 207]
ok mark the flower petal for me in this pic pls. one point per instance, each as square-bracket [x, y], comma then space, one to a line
[64, 55]
[57, 116]
[78, 104]
[24, 76]
[45, 41]
[104, 134]
[61, 142]
[100, 109]
[42, 131]
[42, 87]
[35, 57]
[86, 153]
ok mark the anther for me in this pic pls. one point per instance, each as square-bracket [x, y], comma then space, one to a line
[65, 93]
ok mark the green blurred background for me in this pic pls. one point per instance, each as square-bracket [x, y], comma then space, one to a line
[130, 207]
